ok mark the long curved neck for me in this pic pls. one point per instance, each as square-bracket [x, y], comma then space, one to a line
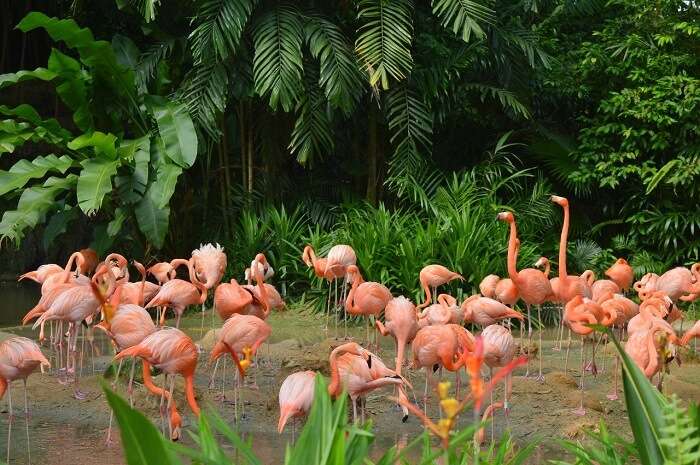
[512, 246]
[309, 252]
[193, 279]
[334, 386]
[351, 295]
[547, 267]
[562, 245]
[263, 290]
[142, 270]
[189, 393]
[69, 266]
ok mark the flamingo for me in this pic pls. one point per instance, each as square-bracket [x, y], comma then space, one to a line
[487, 286]
[677, 283]
[646, 350]
[444, 312]
[138, 292]
[296, 396]
[178, 294]
[339, 258]
[231, 298]
[240, 337]
[91, 261]
[19, 358]
[578, 314]
[506, 292]
[499, 350]
[622, 273]
[366, 298]
[601, 287]
[351, 370]
[209, 263]
[74, 305]
[533, 286]
[319, 266]
[173, 352]
[42, 273]
[433, 276]
[162, 271]
[483, 311]
[274, 298]
[401, 322]
[440, 345]
[692, 333]
[260, 261]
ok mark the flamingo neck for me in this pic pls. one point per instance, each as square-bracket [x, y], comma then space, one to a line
[351, 295]
[263, 291]
[3, 387]
[334, 386]
[547, 267]
[189, 393]
[512, 246]
[562, 246]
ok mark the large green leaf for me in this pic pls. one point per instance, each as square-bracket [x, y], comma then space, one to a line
[48, 129]
[95, 182]
[644, 408]
[277, 65]
[32, 207]
[24, 170]
[72, 87]
[152, 220]
[165, 183]
[142, 442]
[14, 78]
[126, 52]
[384, 40]
[97, 54]
[138, 151]
[14, 134]
[176, 130]
[103, 143]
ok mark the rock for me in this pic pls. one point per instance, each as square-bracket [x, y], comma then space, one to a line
[577, 429]
[591, 400]
[562, 379]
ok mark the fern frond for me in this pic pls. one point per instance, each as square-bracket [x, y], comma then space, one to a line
[463, 17]
[204, 92]
[219, 26]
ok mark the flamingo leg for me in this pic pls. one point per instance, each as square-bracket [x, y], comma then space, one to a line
[493, 418]
[170, 402]
[529, 340]
[425, 391]
[354, 410]
[561, 328]
[201, 327]
[580, 410]
[540, 352]
[162, 397]
[568, 348]
[328, 306]
[26, 422]
[130, 388]
[335, 306]
[613, 395]
[345, 310]
[10, 418]
[213, 374]
[223, 382]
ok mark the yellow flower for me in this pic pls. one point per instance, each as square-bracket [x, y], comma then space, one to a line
[444, 389]
[444, 426]
[450, 406]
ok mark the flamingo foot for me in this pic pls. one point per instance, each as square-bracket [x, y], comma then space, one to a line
[612, 396]
[175, 435]
[79, 395]
[592, 368]
[539, 378]
[579, 411]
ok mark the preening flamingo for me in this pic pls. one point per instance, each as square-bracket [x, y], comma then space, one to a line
[260, 261]
[91, 261]
[433, 276]
[622, 273]
[231, 298]
[483, 311]
[443, 312]
[173, 352]
[487, 286]
[42, 273]
[533, 286]
[351, 370]
[19, 358]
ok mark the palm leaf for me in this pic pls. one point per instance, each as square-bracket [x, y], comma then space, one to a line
[219, 26]
[463, 17]
[384, 40]
[205, 93]
[277, 64]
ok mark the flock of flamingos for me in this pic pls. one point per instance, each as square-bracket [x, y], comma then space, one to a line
[71, 301]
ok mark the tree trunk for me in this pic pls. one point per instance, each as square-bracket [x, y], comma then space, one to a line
[371, 194]
[251, 140]
[242, 138]
[227, 174]
[222, 186]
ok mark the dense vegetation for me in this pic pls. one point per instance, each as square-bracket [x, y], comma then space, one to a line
[398, 127]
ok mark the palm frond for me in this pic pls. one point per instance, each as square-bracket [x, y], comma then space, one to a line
[149, 60]
[339, 77]
[312, 136]
[219, 25]
[277, 65]
[507, 98]
[204, 93]
[463, 17]
[384, 40]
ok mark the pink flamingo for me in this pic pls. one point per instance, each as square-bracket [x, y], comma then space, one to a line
[209, 263]
[351, 370]
[339, 258]
[178, 294]
[533, 286]
[231, 298]
[690, 334]
[260, 261]
[366, 298]
[487, 286]
[19, 358]
[173, 352]
[296, 396]
[483, 311]
[444, 312]
[433, 276]
[499, 350]
[42, 273]
[602, 287]
[138, 292]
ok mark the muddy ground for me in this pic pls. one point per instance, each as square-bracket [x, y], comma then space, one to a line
[66, 431]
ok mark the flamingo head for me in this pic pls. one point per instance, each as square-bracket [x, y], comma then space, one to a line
[542, 261]
[505, 216]
[209, 264]
[561, 201]
[306, 255]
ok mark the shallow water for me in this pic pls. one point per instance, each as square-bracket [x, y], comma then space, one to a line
[67, 431]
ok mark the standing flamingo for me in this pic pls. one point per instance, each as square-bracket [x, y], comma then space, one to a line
[138, 292]
[19, 358]
[487, 286]
[231, 298]
[533, 286]
[444, 312]
[366, 298]
[173, 352]
[622, 273]
[340, 257]
[260, 261]
[209, 263]
[499, 350]
[178, 294]
[240, 337]
[506, 291]
[296, 396]
[319, 267]
[433, 276]
[677, 283]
